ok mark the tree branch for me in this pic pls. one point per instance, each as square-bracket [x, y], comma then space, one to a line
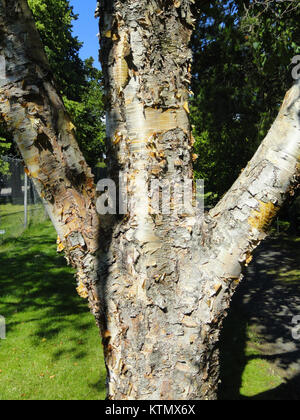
[243, 216]
[35, 115]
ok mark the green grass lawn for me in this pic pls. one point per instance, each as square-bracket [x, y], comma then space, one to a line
[12, 219]
[52, 350]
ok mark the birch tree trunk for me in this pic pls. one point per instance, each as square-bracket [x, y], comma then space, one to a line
[173, 276]
[158, 284]
[34, 113]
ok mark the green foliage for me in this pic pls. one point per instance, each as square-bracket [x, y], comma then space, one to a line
[54, 22]
[4, 147]
[78, 82]
[88, 116]
[272, 35]
[241, 72]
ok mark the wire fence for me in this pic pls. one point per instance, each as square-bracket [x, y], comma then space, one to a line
[20, 205]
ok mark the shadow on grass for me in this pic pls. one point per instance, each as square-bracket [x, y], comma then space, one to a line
[267, 300]
[37, 279]
[37, 286]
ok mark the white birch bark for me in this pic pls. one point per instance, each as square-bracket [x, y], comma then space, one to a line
[173, 277]
[34, 113]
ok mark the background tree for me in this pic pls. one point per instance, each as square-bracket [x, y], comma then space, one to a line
[4, 146]
[54, 23]
[88, 115]
[242, 67]
[78, 81]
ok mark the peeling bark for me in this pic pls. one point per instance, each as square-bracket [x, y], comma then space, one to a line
[173, 277]
[34, 113]
[159, 285]
[152, 349]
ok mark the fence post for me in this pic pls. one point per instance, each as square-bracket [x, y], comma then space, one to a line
[25, 201]
[2, 328]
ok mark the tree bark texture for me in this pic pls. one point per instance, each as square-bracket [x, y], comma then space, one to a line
[34, 113]
[158, 284]
[173, 277]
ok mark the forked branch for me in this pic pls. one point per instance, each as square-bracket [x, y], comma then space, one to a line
[35, 115]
